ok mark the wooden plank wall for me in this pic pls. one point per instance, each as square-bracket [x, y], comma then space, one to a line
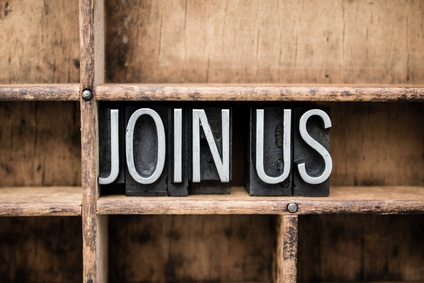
[40, 144]
[377, 144]
[361, 248]
[40, 141]
[40, 249]
[276, 41]
[40, 42]
[224, 248]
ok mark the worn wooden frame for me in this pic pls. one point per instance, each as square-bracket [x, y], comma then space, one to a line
[95, 209]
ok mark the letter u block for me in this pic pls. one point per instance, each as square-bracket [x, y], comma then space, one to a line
[270, 149]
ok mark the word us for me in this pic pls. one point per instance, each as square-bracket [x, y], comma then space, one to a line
[177, 151]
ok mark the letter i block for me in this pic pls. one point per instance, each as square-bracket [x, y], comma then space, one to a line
[111, 148]
[270, 150]
[145, 144]
[178, 151]
[211, 150]
[312, 160]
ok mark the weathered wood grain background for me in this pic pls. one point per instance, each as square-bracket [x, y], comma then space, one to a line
[307, 42]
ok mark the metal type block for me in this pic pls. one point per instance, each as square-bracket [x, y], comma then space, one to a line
[145, 145]
[210, 150]
[270, 152]
[178, 151]
[111, 148]
[312, 160]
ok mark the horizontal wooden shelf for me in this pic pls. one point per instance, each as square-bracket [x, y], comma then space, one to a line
[355, 200]
[212, 92]
[51, 92]
[40, 201]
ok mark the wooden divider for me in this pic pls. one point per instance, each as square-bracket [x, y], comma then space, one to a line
[264, 92]
[285, 255]
[92, 73]
[50, 92]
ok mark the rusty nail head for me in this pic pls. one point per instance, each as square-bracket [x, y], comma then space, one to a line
[87, 94]
[292, 207]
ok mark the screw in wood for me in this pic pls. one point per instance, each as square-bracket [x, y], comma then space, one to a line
[292, 207]
[87, 94]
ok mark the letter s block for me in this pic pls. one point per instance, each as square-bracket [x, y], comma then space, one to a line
[270, 149]
[312, 160]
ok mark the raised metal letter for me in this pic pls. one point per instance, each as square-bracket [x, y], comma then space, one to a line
[260, 148]
[178, 139]
[315, 145]
[222, 166]
[129, 139]
[114, 152]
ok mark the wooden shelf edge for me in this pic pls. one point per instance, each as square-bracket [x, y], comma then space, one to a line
[40, 201]
[223, 92]
[342, 200]
[48, 92]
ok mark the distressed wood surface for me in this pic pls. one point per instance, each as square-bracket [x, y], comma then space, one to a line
[94, 228]
[377, 144]
[40, 144]
[285, 257]
[53, 92]
[361, 248]
[40, 201]
[39, 41]
[40, 249]
[265, 41]
[194, 248]
[378, 200]
[224, 92]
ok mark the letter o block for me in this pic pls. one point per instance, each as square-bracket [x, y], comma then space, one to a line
[146, 159]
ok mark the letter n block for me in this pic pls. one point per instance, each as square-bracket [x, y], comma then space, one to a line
[270, 149]
[145, 144]
[210, 151]
[312, 152]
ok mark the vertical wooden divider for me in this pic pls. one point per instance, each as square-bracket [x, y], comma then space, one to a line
[285, 257]
[94, 228]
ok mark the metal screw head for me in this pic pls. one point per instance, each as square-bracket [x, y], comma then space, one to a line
[292, 207]
[87, 94]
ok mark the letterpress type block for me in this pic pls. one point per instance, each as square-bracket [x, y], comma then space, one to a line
[270, 148]
[210, 151]
[111, 148]
[312, 160]
[145, 144]
[178, 151]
